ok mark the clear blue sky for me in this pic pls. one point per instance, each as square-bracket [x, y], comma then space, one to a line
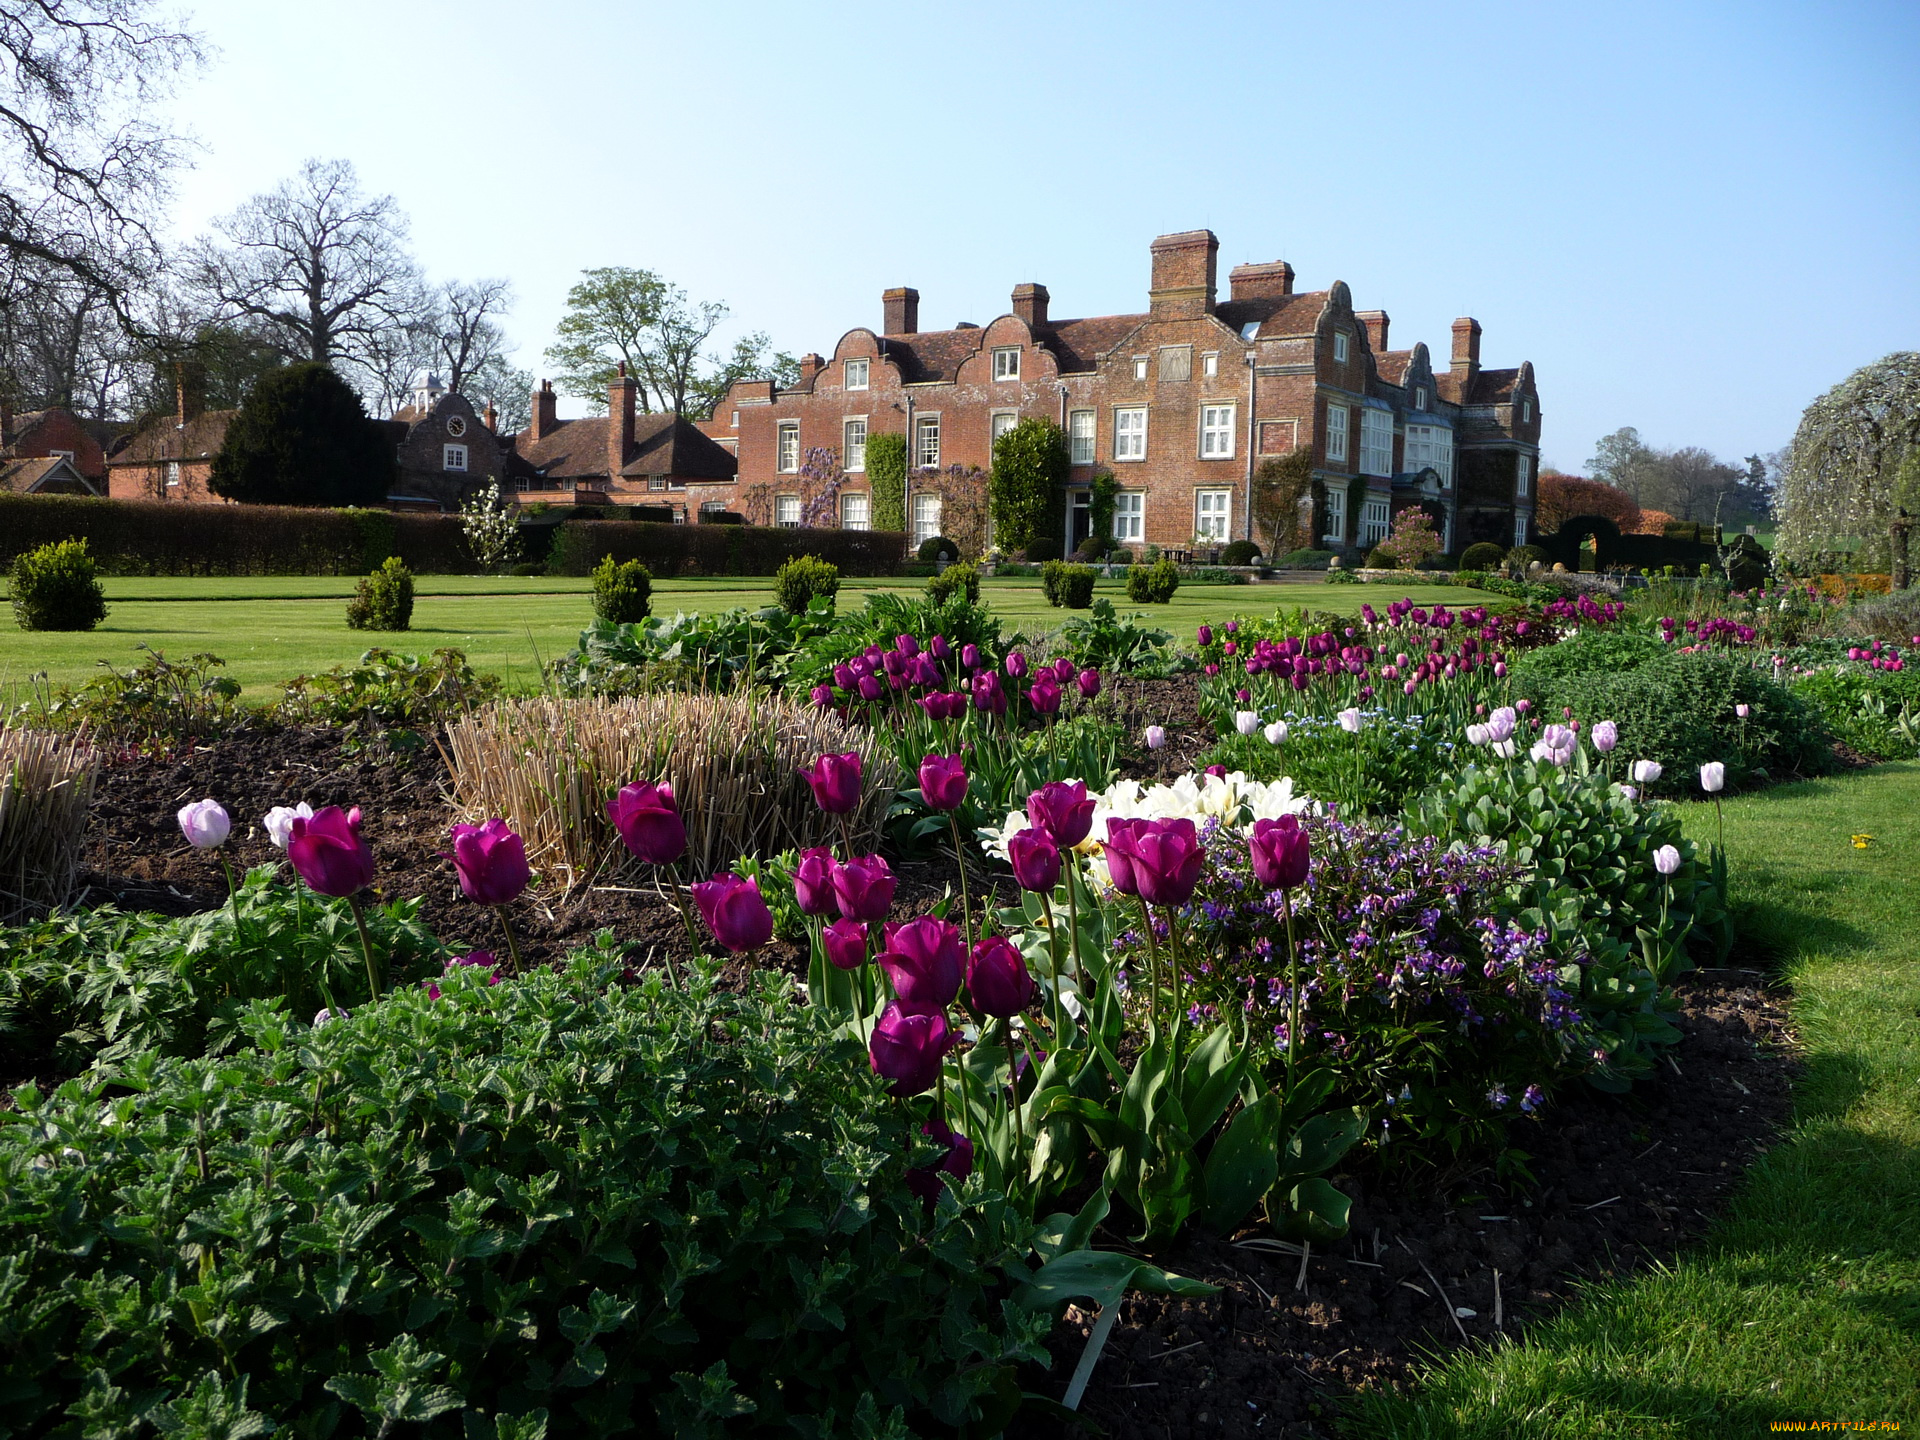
[1692, 217]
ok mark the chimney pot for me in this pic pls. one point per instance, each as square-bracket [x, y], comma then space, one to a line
[544, 421]
[1184, 270]
[1376, 322]
[1030, 305]
[1260, 282]
[900, 311]
[810, 366]
[1466, 346]
[619, 424]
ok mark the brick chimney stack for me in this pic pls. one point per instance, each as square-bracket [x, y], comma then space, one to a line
[188, 398]
[810, 366]
[1466, 351]
[1260, 282]
[491, 416]
[544, 420]
[1376, 322]
[1184, 269]
[1030, 305]
[620, 397]
[900, 311]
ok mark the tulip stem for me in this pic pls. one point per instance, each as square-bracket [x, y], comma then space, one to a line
[1072, 863]
[1293, 987]
[1154, 983]
[1179, 1007]
[506, 928]
[683, 902]
[1013, 1091]
[1053, 963]
[960, 859]
[366, 946]
[233, 896]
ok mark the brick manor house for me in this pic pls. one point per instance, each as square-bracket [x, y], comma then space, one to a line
[1180, 403]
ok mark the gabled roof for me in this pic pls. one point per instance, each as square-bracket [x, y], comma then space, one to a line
[571, 448]
[1491, 387]
[1392, 365]
[663, 444]
[50, 473]
[1279, 316]
[1078, 342]
[160, 439]
[932, 355]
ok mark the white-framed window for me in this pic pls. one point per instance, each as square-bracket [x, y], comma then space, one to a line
[786, 511]
[1336, 515]
[1212, 514]
[1420, 397]
[1080, 437]
[926, 517]
[1216, 433]
[1002, 421]
[856, 447]
[736, 419]
[1139, 367]
[1526, 411]
[1520, 529]
[1431, 446]
[1523, 474]
[1210, 365]
[522, 484]
[1376, 520]
[713, 507]
[787, 460]
[853, 510]
[1130, 433]
[1006, 362]
[1130, 516]
[1336, 432]
[927, 452]
[1376, 441]
[173, 474]
[1339, 347]
[856, 374]
[453, 457]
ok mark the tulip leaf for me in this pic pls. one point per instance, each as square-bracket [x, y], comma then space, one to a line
[1321, 1141]
[1242, 1166]
[1062, 1234]
[1102, 1277]
[1315, 1211]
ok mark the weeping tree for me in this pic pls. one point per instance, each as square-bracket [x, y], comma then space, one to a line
[1842, 485]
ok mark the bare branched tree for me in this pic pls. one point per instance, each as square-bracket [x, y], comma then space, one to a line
[466, 323]
[323, 268]
[83, 164]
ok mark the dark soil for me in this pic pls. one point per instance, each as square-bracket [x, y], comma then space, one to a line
[1621, 1182]
[1173, 704]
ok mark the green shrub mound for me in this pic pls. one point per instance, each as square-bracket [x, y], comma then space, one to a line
[1067, 586]
[1305, 559]
[1379, 559]
[1592, 651]
[1683, 711]
[622, 591]
[936, 548]
[1153, 584]
[557, 1205]
[1873, 712]
[887, 479]
[672, 551]
[56, 587]
[1043, 550]
[962, 579]
[804, 579]
[1483, 555]
[384, 599]
[1240, 552]
[1521, 556]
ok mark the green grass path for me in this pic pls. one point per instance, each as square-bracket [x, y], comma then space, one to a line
[270, 628]
[1804, 1302]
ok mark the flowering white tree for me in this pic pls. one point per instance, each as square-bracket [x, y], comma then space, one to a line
[1838, 488]
[491, 528]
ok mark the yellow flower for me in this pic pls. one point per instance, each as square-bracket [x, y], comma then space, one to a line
[1860, 842]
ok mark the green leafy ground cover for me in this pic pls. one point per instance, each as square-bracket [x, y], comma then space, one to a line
[271, 628]
[1804, 1304]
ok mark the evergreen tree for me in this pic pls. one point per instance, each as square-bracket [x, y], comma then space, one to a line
[302, 438]
[1030, 465]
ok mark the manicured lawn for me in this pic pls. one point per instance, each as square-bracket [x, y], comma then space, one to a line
[1804, 1305]
[271, 628]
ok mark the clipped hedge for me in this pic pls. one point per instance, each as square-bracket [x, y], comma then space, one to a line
[153, 537]
[675, 550]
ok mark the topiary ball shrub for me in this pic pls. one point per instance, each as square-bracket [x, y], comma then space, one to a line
[567, 1204]
[57, 587]
[804, 579]
[622, 592]
[1067, 586]
[1153, 584]
[1483, 555]
[384, 600]
[1381, 560]
[1240, 552]
[936, 548]
[528, 568]
[1043, 549]
[1521, 556]
[962, 579]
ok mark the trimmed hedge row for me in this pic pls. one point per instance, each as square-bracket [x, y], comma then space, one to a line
[673, 550]
[152, 537]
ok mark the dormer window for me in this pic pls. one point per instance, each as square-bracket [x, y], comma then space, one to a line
[1420, 397]
[1006, 363]
[1526, 412]
[856, 374]
[1339, 347]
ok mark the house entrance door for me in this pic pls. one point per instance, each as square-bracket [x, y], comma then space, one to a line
[1079, 518]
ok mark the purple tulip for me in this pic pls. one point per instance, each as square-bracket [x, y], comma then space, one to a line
[328, 853]
[939, 648]
[1089, 684]
[205, 824]
[1156, 736]
[649, 822]
[924, 958]
[987, 694]
[869, 689]
[1165, 859]
[1016, 664]
[863, 886]
[924, 1180]
[835, 781]
[1044, 695]
[822, 696]
[1062, 670]
[907, 1049]
[943, 782]
[1205, 635]
[734, 912]
[813, 881]
[998, 980]
[970, 657]
[906, 645]
[1119, 866]
[1063, 811]
[1279, 853]
[491, 861]
[1035, 860]
[1604, 736]
[846, 944]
